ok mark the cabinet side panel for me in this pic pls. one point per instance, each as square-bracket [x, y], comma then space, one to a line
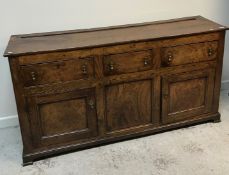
[218, 72]
[22, 107]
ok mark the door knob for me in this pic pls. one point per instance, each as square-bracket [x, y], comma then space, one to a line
[111, 66]
[169, 58]
[33, 76]
[84, 69]
[91, 103]
[146, 61]
[210, 52]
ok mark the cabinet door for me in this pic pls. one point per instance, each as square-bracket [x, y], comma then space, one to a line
[131, 105]
[187, 95]
[61, 118]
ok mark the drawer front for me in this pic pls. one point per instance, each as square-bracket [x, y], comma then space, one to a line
[128, 62]
[59, 71]
[191, 53]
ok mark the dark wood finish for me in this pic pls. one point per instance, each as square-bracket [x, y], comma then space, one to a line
[190, 53]
[63, 117]
[58, 71]
[115, 49]
[128, 62]
[130, 105]
[186, 95]
[46, 42]
[78, 89]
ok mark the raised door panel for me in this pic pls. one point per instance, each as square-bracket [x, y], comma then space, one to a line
[130, 105]
[187, 95]
[61, 118]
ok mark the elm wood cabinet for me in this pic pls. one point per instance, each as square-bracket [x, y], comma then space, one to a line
[82, 88]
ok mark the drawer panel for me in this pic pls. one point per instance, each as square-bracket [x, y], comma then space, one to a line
[191, 53]
[59, 71]
[128, 62]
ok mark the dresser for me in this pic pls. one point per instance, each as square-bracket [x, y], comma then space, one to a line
[82, 88]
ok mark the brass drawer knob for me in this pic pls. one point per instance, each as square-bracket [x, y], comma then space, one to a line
[33, 76]
[146, 61]
[84, 69]
[170, 58]
[210, 52]
[111, 66]
[91, 104]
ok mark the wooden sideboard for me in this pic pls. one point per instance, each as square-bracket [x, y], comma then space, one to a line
[83, 88]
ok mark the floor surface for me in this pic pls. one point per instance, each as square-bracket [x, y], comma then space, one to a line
[197, 150]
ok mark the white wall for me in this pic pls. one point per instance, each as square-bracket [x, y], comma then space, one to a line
[28, 16]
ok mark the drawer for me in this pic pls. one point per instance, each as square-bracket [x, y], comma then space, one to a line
[191, 53]
[58, 71]
[128, 62]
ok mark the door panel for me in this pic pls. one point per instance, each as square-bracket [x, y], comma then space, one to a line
[63, 117]
[186, 95]
[182, 93]
[130, 105]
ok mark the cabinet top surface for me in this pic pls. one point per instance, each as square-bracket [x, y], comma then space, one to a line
[97, 37]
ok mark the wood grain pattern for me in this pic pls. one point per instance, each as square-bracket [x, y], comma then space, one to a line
[218, 72]
[69, 97]
[187, 95]
[21, 44]
[128, 105]
[114, 49]
[128, 62]
[64, 117]
[191, 53]
[59, 71]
